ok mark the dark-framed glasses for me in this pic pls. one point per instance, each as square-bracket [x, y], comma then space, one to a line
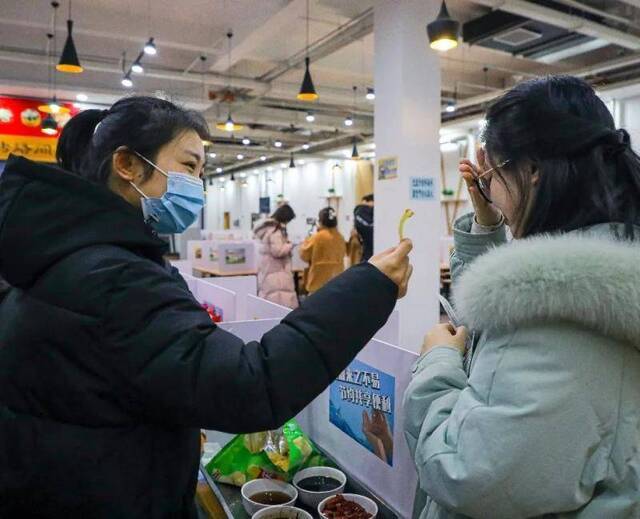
[484, 184]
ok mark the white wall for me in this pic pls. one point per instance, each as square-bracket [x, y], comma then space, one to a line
[305, 187]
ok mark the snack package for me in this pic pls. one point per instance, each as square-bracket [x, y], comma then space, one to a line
[277, 454]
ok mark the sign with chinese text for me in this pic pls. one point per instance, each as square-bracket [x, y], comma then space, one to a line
[422, 188]
[20, 129]
[362, 404]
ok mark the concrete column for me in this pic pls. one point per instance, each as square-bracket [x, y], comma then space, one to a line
[407, 124]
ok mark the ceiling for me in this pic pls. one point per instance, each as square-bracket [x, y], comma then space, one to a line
[260, 78]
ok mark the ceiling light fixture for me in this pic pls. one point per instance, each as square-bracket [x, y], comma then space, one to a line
[150, 48]
[263, 158]
[212, 154]
[49, 125]
[307, 89]
[348, 121]
[52, 107]
[310, 117]
[444, 31]
[451, 107]
[305, 146]
[370, 95]
[229, 125]
[354, 151]
[82, 97]
[246, 141]
[240, 156]
[126, 81]
[218, 170]
[292, 164]
[69, 61]
[278, 144]
[137, 67]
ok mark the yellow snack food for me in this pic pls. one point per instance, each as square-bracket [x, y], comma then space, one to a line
[408, 213]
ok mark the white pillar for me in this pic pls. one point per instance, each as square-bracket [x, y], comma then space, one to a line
[407, 124]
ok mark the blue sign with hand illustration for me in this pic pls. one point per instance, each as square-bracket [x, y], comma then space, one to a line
[422, 188]
[362, 405]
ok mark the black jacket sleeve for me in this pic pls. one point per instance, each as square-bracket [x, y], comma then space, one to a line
[177, 368]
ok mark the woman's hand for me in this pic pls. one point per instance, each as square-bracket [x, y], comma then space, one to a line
[394, 263]
[445, 335]
[486, 213]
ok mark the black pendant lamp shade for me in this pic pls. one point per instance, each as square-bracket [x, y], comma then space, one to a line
[443, 31]
[49, 125]
[292, 164]
[69, 61]
[307, 90]
[354, 152]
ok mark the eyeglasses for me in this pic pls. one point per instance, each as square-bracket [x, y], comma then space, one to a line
[484, 185]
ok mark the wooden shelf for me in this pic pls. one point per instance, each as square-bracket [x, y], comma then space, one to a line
[450, 200]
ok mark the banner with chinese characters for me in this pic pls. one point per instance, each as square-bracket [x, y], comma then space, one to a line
[20, 129]
[361, 404]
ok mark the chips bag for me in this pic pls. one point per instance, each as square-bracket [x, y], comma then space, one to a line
[277, 454]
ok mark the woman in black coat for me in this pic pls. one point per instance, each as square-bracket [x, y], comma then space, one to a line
[108, 365]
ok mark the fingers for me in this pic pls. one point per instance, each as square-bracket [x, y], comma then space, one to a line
[462, 332]
[403, 249]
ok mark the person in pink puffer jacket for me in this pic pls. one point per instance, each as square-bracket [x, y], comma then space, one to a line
[275, 277]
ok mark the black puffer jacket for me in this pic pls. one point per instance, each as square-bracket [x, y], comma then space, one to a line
[108, 366]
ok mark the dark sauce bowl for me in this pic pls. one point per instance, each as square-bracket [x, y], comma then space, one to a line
[312, 498]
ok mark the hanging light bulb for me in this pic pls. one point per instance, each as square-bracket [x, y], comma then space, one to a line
[229, 125]
[292, 164]
[69, 61]
[263, 158]
[212, 154]
[137, 67]
[150, 48]
[305, 146]
[49, 125]
[126, 81]
[310, 117]
[278, 144]
[53, 107]
[82, 97]
[370, 95]
[240, 156]
[246, 141]
[218, 170]
[348, 121]
[443, 31]
[451, 107]
[307, 89]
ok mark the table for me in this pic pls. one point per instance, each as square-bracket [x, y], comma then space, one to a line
[217, 273]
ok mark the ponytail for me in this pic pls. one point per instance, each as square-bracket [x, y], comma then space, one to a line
[141, 124]
[76, 138]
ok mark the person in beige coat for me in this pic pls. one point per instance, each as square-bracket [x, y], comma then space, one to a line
[275, 276]
[324, 251]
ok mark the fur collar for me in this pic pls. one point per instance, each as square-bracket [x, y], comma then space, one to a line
[588, 278]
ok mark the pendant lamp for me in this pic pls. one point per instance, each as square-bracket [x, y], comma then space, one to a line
[69, 61]
[443, 31]
[229, 125]
[49, 125]
[292, 164]
[53, 107]
[307, 89]
[354, 152]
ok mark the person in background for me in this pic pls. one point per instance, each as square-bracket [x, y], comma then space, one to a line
[363, 219]
[109, 366]
[275, 275]
[541, 417]
[324, 251]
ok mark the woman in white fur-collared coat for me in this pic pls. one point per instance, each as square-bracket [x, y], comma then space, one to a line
[542, 415]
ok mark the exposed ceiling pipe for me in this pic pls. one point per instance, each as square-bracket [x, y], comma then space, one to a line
[593, 70]
[110, 35]
[566, 21]
[353, 30]
[598, 12]
[634, 3]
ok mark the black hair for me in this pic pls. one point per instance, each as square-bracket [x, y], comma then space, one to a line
[327, 217]
[284, 214]
[368, 198]
[141, 124]
[588, 173]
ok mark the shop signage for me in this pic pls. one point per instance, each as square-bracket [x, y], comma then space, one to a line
[20, 133]
[422, 188]
[387, 168]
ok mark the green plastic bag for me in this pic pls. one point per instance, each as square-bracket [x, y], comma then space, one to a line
[275, 454]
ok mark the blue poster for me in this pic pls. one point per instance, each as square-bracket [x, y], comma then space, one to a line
[362, 405]
[422, 188]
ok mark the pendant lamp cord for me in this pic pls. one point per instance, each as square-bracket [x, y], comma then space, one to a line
[307, 28]
[53, 69]
[69, 9]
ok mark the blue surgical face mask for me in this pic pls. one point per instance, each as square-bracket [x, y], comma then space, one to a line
[178, 208]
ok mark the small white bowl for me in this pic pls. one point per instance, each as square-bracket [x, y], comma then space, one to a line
[311, 498]
[364, 502]
[265, 485]
[290, 512]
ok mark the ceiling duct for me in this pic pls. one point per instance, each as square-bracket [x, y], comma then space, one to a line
[518, 35]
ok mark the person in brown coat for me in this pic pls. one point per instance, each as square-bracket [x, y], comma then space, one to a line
[324, 251]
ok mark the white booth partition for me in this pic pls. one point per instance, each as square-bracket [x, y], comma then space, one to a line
[214, 295]
[258, 308]
[243, 286]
